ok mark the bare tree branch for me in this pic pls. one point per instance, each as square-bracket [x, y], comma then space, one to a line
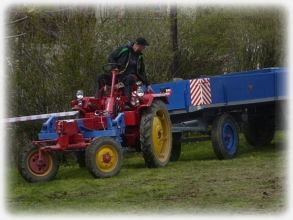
[17, 20]
[17, 35]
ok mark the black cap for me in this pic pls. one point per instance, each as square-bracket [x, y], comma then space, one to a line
[141, 41]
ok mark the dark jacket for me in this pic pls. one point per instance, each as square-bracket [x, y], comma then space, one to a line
[121, 56]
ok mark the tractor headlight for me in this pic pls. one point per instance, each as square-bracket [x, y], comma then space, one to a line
[79, 94]
[140, 91]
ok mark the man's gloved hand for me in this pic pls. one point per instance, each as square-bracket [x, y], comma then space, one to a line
[119, 85]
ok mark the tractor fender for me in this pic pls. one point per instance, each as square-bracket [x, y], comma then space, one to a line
[148, 99]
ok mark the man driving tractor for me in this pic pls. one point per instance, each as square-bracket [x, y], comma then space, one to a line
[129, 60]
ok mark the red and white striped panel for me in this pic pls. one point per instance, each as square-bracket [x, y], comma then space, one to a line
[200, 91]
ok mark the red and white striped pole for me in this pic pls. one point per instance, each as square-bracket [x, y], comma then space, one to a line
[37, 117]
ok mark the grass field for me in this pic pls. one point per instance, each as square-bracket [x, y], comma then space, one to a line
[254, 182]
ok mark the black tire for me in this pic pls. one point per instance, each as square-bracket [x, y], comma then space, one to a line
[225, 138]
[104, 157]
[259, 131]
[80, 157]
[33, 172]
[155, 135]
[176, 146]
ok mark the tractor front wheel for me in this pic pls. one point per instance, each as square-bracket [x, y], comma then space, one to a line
[33, 169]
[155, 135]
[104, 157]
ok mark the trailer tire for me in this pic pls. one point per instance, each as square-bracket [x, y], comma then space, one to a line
[225, 137]
[31, 170]
[176, 146]
[259, 132]
[155, 135]
[104, 157]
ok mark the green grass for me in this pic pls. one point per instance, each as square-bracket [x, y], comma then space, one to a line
[254, 182]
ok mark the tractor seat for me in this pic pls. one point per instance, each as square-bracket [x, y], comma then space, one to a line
[106, 90]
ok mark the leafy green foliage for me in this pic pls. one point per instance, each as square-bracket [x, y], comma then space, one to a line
[215, 40]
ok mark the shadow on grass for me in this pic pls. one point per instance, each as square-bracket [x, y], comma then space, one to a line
[197, 151]
[198, 157]
[200, 151]
[73, 172]
[247, 150]
[137, 165]
[203, 150]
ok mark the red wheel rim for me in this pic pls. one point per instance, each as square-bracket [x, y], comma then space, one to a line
[39, 167]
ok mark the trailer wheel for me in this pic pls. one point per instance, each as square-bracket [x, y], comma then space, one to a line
[155, 135]
[225, 137]
[259, 132]
[104, 157]
[33, 170]
[176, 146]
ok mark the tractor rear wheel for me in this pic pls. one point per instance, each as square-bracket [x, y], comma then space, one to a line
[34, 170]
[155, 135]
[104, 157]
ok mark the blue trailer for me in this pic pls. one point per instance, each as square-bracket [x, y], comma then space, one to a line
[223, 105]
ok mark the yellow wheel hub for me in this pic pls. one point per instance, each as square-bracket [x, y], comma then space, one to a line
[161, 136]
[106, 158]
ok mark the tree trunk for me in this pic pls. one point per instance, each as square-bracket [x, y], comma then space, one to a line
[174, 39]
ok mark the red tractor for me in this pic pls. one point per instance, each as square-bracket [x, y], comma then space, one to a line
[102, 131]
